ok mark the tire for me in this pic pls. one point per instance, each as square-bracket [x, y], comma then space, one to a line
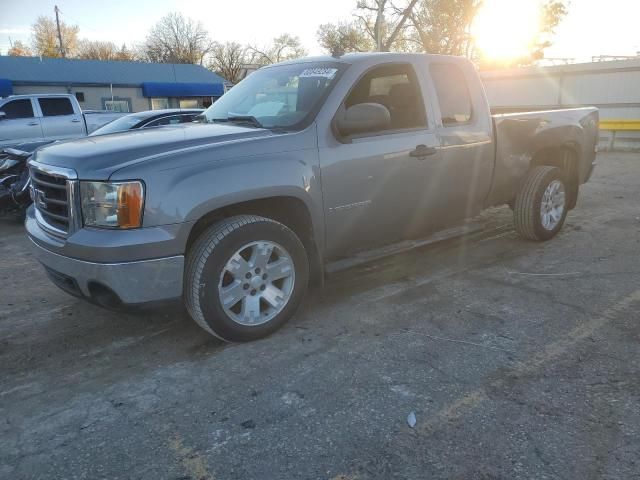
[217, 267]
[541, 205]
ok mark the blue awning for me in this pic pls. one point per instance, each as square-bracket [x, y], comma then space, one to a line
[161, 89]
[6, 87]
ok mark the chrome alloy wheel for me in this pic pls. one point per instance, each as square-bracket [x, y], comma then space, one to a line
[553, 205]
[256, 283]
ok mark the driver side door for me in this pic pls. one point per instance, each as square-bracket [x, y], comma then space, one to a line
[375, 184]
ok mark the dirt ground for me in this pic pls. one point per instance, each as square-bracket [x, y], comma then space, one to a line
[519, 360]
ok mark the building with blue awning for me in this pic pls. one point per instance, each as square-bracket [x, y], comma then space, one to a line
[113, 85]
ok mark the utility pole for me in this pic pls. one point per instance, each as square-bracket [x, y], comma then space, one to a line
[62, 52]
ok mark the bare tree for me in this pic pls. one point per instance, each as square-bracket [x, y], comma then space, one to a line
[176, 39]
[443, 26]
[228, 60]
[383, 21]
[19, 49]
[284, 47]
[339, 38]
[100, 50]
[553, 11]
[45, 37]
[126, 54]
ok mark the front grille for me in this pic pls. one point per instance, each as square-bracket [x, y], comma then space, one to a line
[51, 192]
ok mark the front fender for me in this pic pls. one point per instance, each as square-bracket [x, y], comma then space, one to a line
[185, 193]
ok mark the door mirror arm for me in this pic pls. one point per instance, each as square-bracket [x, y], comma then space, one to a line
[339, 135]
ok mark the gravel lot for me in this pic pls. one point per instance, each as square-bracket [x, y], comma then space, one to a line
[520, 360]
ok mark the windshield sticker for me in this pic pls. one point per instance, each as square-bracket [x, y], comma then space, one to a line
[318, 72]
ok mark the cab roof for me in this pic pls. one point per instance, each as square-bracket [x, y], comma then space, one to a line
[360, 57]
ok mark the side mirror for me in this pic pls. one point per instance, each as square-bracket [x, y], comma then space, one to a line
[2, 115]
[363, 118]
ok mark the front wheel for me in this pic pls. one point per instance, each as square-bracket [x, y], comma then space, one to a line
[245, 277]
[541, 204]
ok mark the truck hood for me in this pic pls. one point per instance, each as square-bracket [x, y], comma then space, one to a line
[96, 158]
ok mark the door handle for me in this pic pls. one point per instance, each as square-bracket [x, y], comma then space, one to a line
[75, 120]
[422, 151]
[32, 124]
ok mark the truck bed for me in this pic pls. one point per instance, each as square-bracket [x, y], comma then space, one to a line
[520, 137]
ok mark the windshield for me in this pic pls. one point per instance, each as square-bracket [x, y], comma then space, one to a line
[283, 96]
[118, 125]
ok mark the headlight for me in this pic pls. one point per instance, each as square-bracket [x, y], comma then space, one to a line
[112, 204]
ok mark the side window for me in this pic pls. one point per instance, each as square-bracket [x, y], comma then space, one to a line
[17, 109]
[52, 107]
[453, 94]
[157, 123]
[173, 120]
[382, 85]
[396, 88]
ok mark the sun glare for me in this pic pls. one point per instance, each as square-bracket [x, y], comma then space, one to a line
[505, 29]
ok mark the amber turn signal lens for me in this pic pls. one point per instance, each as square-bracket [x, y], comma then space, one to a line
[130, 198]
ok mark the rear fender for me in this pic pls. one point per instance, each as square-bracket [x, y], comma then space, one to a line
[521, 138]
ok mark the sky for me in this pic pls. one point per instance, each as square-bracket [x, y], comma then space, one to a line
[592, 27]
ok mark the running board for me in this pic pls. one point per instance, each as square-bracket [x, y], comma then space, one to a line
[407, 245]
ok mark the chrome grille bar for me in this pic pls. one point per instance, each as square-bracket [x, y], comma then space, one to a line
[53, 192]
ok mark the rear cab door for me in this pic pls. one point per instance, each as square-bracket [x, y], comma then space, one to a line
[20, 123]
[61, 118]
[465, 132]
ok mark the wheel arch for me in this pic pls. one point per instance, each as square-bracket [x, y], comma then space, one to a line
[286, 209]
[565, 157]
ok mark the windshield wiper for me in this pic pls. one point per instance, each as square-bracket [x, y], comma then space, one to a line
[246, 119]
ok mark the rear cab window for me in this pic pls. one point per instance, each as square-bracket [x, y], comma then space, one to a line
[453, 94]
[55, 106]
[16, 109]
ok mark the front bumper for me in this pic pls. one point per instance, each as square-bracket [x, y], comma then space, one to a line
[110, 283]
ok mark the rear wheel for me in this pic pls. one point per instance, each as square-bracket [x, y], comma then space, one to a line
[245, 277]
[541, 204]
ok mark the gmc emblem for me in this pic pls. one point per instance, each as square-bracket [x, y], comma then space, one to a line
[40, 198]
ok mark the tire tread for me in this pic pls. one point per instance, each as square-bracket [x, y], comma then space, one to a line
[197, 257]
[525, 212]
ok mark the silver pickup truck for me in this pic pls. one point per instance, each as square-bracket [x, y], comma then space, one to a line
[301, 163]
[46, 118]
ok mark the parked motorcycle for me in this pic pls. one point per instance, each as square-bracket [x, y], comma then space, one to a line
[14, 179]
